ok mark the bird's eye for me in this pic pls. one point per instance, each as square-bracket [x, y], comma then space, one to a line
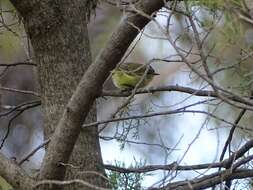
[151, 71]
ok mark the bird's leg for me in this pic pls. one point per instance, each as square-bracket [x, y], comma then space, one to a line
[126, 90]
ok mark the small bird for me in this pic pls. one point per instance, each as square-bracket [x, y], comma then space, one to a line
[127, 75]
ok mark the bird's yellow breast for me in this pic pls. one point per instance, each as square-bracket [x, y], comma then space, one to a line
[123, 80]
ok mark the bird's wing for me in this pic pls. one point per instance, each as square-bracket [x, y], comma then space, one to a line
[136, 68]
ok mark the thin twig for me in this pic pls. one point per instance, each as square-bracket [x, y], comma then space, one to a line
[17, 64]
[175, 166]
[67, 183]
[26, 158]
[19, 91]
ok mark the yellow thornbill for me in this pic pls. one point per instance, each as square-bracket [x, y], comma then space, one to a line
[127, 75]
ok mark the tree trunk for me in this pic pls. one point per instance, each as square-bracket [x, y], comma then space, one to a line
[59, 37]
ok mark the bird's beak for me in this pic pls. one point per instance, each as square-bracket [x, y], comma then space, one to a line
[156, 74]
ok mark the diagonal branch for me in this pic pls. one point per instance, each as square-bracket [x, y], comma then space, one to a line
[217, 177]
[178, 88]
[14, 175]
[209, 180]
[174, 166]
[89, 88]
[70, 182]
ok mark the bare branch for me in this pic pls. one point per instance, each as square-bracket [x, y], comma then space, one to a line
[177, 88]
[174, 166]
[89, 88]
[176, 111]
[19, 109]
[208, 180]
[19, 91]
[17, 64]
[69, 182]
[9, 127]
[26, 158]
[22, 106]
[230, 136]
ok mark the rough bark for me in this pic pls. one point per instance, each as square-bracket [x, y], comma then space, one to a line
[90, 88]
[15, 175]
[58, 33]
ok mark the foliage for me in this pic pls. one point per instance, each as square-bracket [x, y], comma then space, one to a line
[126, 181]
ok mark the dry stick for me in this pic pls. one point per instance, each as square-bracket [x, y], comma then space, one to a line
[68, 183]
[208, 180]
[7, 27]
[167, 88]
[218, 177]
[210, 76]
[177, 88]
[176, 111]
[228, 141]
[245, 148]
[17, 64]
[231, 132]
[175, 166]
[9, 126]
[19, 91]
[165, 113]
[211, 83]
[204, 58]
[26, 158]
[241, 162]
[201, 75]
[106, 138]
[22, 106]
[199, 45]
[25, 106]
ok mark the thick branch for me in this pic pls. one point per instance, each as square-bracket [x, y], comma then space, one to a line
[174, 166]
[169, 88]
[89, 88]
[177, 88]
[70, 183]
[14, 175]
[217, 177]
[209, 180]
